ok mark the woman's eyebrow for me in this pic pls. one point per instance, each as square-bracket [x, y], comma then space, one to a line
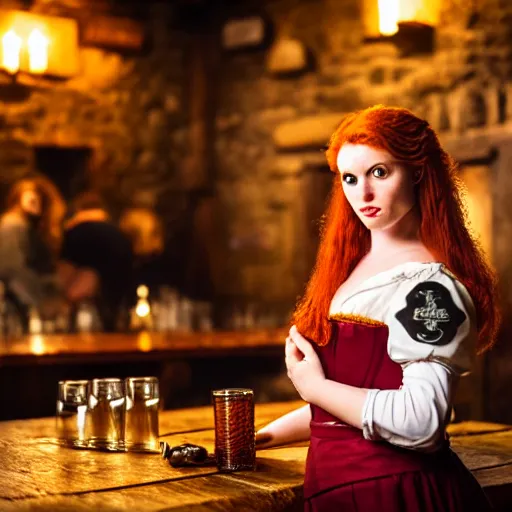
[343, 171]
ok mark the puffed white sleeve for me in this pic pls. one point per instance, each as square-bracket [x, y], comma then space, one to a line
[432, 335]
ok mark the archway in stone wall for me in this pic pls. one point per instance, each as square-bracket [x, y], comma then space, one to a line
[67, 167]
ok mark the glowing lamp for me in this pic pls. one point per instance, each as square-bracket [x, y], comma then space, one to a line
[142, 308]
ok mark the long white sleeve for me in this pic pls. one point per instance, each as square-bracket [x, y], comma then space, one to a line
[414, 416]
[432, 327]
[432, 332]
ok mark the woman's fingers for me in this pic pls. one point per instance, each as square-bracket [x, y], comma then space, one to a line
[301, 343]
[292, 353]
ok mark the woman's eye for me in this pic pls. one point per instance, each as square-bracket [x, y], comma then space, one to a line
[349, 179]
[380, 172]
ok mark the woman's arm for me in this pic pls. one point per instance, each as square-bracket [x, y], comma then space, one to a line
[413, 416]
[290, 428]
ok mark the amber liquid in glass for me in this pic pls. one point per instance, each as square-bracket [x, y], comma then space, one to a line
[234, 430]
[141, 432]
[105, 424]
[70, 422]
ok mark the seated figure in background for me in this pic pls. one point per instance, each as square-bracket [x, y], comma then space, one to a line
[30, 236]
[145, 231]
[96, 259]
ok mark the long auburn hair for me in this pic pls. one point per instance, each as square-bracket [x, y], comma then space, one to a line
[52, 205]
[443, 225]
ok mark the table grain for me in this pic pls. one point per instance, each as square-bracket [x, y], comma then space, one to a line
[37, 474]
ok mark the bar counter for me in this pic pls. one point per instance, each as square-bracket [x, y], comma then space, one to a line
[143, 346]
[37, 474]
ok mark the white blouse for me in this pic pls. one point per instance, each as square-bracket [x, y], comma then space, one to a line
[432, 335]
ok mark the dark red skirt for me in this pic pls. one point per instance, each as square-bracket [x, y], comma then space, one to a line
[345, 472]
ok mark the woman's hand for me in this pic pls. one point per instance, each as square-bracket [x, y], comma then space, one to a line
[303, 365]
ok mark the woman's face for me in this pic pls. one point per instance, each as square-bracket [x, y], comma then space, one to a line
[30, 202]
[379, 189]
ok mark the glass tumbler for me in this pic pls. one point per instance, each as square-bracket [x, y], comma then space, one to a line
[234, 429]
[105, 420]
[142, 402]
[71, 413]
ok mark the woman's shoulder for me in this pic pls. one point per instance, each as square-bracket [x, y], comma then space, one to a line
[12, 219]
[438, 280]
[12, 225]
[432, 317]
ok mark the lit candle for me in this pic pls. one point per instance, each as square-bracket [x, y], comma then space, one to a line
[37, 52]
[389, 16]
[142, 308]
[11, 48]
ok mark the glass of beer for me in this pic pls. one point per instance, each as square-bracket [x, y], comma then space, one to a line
[234, 429]
[71, 413]
[142, 403]
[105, 419]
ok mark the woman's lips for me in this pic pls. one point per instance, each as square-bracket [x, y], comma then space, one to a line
[370, 211]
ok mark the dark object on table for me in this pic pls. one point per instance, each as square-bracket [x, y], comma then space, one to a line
[165, 449]
[186, 455]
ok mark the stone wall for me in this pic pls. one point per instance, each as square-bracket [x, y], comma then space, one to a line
[277, 109]
[127, 108]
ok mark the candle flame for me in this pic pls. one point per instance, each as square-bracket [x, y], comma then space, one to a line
[11, 48]
[389, 15]
[37, 51]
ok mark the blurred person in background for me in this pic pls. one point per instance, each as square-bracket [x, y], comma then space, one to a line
[30, 237]
[145, 231]
[96, 259]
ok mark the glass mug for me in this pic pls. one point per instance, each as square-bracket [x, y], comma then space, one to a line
[105, 418]
[141, 421]
[71, 413]
[234, 429]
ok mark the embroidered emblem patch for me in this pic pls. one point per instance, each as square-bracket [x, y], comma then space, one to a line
[430, 315]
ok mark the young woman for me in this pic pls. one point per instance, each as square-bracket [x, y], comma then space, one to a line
[400, 300]
[30, 236]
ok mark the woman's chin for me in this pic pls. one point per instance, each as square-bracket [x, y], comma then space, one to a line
[374, 222]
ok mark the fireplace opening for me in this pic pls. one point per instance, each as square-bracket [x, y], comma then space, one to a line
[66, 167]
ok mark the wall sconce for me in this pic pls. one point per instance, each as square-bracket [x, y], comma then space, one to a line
[409, 24]
[38, 44]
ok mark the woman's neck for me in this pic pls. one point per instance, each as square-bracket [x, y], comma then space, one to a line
[404, 234]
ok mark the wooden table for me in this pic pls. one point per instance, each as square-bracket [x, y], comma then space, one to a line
[103, 347]
[37, 474]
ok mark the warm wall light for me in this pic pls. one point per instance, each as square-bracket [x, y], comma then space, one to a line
[37, 52]
[11, 48]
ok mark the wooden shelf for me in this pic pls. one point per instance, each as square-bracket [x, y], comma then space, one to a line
[104, 347]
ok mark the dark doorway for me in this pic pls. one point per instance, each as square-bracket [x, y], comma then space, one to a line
[66, 167]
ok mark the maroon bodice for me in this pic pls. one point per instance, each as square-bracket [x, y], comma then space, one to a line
[338, 453]
[357, 356]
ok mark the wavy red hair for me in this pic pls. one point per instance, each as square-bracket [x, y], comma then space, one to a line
[53, 207]
[443, 227]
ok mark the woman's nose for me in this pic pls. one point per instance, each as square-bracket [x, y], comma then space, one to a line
[368, 194]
